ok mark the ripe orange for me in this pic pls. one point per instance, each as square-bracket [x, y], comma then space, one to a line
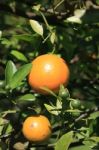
[37, 128]
[49, 70]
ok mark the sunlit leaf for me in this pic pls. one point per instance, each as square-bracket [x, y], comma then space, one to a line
[51, 109]
[73, 110]
[8, 129]
[79, 12]
[3, 121]
[36, 27]
[37, 7]
[64, 142]
[94, 115]
[53, 37]
[0, 34]
[1, 129]
[74, 19]
[19, 55]
[89, 143]
[19, 146]
[95, 138]
[2, 83]
[59, 104]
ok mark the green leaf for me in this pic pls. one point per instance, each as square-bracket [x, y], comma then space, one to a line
[27, 97]
[2, 91]
[97, 1]
[48, 91]
[8, 128]
[20, 75]
[2, 83]
[65, 141]
[83, 147]
[59, 104]
[25, 37]
[51, 109]
[79, 135]
[19, 55]
[9, 71]
[95, 139]
[4, 113]
[94, 115]
[3, 121]
[63, 92]
[36, 27]
[73, 110]
[90, 143]
[1, 129]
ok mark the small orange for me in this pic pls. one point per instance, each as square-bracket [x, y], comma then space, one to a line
[37, 128]
[48, 70]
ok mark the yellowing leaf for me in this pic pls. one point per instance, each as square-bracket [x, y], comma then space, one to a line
[37, 7]
[53, 37]
[77, 16]
[79, 13]
[74, 19]
[36, 27]
[95, 138]
[51, 109]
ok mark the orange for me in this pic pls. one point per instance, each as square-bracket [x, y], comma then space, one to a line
[37, 128]
[48, 70]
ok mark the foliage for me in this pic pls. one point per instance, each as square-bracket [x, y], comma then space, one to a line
[69, 29]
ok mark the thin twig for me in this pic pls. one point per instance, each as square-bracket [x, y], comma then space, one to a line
[59, 4]
[82, 116]
[86, 114]
[45, 20]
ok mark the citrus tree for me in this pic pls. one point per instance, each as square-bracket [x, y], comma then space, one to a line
[49, 75]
